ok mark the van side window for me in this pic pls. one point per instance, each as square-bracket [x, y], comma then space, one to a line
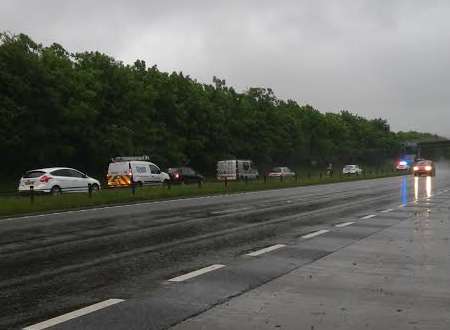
[246, 166]
[154, 169]
[141, 169]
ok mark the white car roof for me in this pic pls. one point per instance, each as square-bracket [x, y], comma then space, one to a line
[50, 169]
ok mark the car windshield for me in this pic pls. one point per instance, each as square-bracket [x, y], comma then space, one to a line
[276, 169]
[424, 163]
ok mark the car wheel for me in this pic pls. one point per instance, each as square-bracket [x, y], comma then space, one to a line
[55, 191]
[95, 188]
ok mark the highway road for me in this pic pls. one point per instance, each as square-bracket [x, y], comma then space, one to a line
[56, 263]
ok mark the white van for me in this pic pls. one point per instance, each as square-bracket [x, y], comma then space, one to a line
[236, 169]
[122, 171]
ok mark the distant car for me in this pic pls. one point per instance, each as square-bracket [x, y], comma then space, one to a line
[424, 167]
[56, 180]
[185, 175]
[236, 169]
[352, 170]
[281, 171]
[403, 166]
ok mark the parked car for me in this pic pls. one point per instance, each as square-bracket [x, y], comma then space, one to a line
[185, 175]
[236, 169]
[123, 171]
[56, 180]
[281, 171]
[424, 167]
[352, 170]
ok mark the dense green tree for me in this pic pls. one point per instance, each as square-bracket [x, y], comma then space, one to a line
[80, 110]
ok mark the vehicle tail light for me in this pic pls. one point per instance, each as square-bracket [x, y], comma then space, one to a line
[45, 178]
[177, 176]
[130, 173]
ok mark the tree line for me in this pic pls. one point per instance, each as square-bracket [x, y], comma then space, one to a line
[82, 109]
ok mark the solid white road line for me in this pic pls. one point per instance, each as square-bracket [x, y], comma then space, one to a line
[387, 211]
[265, 250]
[370, 216]
[195, 273]
[74, 314]
[344, 224]
[316, 233]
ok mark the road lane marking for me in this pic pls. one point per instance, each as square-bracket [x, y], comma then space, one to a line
[387, 211]
[402, 205]
[316, 233]
[73, 315]
[370, 216]
[344, 224]
[196, 273]
[265, 250]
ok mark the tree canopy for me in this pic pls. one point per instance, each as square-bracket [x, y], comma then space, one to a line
[79, 110]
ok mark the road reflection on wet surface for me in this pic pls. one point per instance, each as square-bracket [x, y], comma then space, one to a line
[423, 188]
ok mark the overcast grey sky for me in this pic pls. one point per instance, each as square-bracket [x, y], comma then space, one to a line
[377, 58]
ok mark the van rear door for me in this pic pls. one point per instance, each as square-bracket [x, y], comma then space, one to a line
[118, 174]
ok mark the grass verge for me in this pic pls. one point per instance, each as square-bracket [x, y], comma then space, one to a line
[21, 205]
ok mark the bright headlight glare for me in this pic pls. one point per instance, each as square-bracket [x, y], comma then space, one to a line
[415, 168]
[428, 168]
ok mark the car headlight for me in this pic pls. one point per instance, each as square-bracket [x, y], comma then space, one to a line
[415, 168]
[428, 168]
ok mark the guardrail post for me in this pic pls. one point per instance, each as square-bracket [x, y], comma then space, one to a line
[32, 194]
[90, 190]
[226, 182]
[133, 187]
[265, 178]
[199, 183]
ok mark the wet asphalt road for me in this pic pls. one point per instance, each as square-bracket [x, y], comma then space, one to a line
[53, 264]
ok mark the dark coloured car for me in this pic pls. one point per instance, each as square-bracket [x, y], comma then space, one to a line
[424, 167]
[184, 175]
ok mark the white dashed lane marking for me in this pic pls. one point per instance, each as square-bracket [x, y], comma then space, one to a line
[370, 216]
[73, 315]
[265, 250]
[316, 233]
[344, 224]
[387, 211]
[196, 273]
